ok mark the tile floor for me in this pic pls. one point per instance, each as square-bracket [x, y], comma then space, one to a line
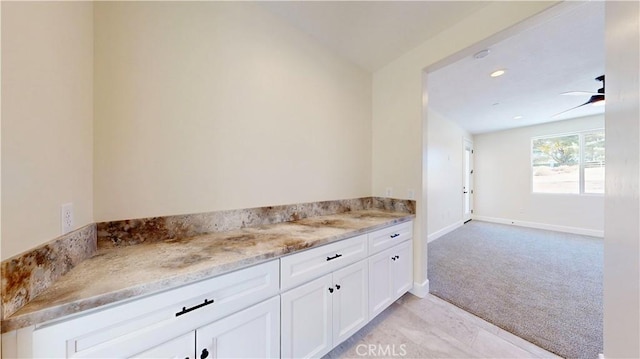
[432, 328]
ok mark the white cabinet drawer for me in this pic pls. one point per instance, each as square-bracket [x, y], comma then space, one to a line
[388, 237]
[302, 267]
[93, 334]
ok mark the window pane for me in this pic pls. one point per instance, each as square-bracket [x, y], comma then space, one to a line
[556, 166]
[594, 162]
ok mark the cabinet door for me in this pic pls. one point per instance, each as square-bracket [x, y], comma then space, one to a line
[380, 282]
[402, 269]
[306, 319]
[179, 348]
[251, 333]
[350, 304]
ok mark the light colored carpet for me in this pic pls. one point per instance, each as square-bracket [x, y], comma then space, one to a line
[543, 286]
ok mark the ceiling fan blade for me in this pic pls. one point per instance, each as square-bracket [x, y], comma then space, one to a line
[573, 108]
[597, 98]
[579, 93]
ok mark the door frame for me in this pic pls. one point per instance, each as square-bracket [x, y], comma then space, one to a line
[467, 180]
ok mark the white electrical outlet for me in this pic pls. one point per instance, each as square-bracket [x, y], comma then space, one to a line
[411, 193]
[66, 217]
[389, 192]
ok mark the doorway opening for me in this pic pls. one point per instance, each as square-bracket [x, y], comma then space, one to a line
[467, 180]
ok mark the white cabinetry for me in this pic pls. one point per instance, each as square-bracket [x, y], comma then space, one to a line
[139, 326]
[389, 237]
[301, 267]
[321, 314]
[340, 287]
[327, 293]
[402, 268]
[306, 319]
[251, 333]
[391, 275]
[350, 301]
[180, 347]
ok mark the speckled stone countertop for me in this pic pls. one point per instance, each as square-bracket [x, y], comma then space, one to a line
[115, 274]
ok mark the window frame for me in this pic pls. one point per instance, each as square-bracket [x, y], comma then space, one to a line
[581, 159]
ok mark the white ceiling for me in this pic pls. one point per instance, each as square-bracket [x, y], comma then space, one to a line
[563, 54]
[372, 33]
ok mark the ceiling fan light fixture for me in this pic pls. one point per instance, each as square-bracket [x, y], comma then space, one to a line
[498, 73]
[596, 100]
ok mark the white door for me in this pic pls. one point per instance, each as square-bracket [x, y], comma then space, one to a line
[380, 286]
[178, 348]
[467, 180]
[251, 333]
[402, 268]
[350, 304]
[306, 319]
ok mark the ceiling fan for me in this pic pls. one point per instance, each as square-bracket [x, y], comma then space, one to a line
[597, 98]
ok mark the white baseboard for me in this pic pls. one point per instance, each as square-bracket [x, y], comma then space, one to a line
[550, 227]
[444, 231]
[420, 290]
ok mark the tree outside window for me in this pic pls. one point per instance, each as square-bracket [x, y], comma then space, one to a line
[572, 163]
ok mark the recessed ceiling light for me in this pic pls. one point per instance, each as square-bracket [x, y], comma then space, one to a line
[498, 73]
[517, 118]
[481, 54]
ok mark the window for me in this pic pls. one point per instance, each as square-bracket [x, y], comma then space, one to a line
[570, 163]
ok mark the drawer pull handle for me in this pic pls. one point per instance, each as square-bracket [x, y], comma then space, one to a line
[186, 310]
[338, 286]
[205, 353]
[395, 257]
[395, 235]
[334, 257]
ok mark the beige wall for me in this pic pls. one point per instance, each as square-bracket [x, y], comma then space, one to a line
[47, 119]
[398, 117]
[622, 201]
[503, 188]
[1, 255]
[211, 105]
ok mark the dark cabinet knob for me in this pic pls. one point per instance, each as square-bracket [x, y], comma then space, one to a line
[205, 353]
[337, 286]
[330, 290]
